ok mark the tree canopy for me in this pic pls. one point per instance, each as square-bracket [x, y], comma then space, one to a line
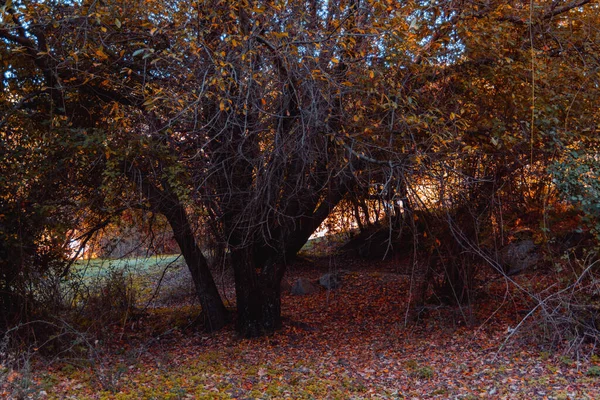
[257, 118]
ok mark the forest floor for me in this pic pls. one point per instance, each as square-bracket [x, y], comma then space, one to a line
[353, 342]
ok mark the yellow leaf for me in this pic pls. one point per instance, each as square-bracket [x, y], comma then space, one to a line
[371, 74]
[222, 106]
[101, 54]
[335, 60]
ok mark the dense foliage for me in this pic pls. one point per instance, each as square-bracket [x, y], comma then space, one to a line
[258, 118]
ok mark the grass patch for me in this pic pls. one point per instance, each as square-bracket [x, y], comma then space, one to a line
[101, 267]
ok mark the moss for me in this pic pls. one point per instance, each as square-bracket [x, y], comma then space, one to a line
[544, 355]
[561, 395]
[68, 369]
[295, 380]
[424, 372]
[593, 371]
[566, 360]
[49, 381]
[419, 371]
[352, 385]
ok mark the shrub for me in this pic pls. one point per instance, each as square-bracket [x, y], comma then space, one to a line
[593, 371]
[577, 179]
[571, 313]
[106, 302]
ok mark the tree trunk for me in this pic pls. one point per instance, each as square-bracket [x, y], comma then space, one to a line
[258, 294]
[214, 313]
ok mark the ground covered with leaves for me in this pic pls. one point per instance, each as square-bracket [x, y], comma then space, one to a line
[353, 342]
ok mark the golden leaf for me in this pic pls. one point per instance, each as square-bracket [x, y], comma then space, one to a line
[101, 54]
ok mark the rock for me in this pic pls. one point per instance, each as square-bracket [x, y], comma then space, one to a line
[519, 256]
[331, 281]
[303, 287]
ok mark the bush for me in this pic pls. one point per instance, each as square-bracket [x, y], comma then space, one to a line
[571, 314]
[577, 179]
[32, 259]
[106, 302]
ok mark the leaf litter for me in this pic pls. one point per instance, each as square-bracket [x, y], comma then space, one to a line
[354, 342]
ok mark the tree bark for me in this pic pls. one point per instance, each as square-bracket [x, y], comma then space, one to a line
[259, 269]
[258, 294]
[214, 314]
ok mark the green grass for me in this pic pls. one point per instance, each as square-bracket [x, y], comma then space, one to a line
[141, 274]
[102, 267]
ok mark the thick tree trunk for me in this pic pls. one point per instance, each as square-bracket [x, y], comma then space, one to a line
[214, 313]
[259, 311]
[258, 295]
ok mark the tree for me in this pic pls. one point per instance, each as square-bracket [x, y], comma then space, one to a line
[259, 117]
[42, 187]
[189, 133]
